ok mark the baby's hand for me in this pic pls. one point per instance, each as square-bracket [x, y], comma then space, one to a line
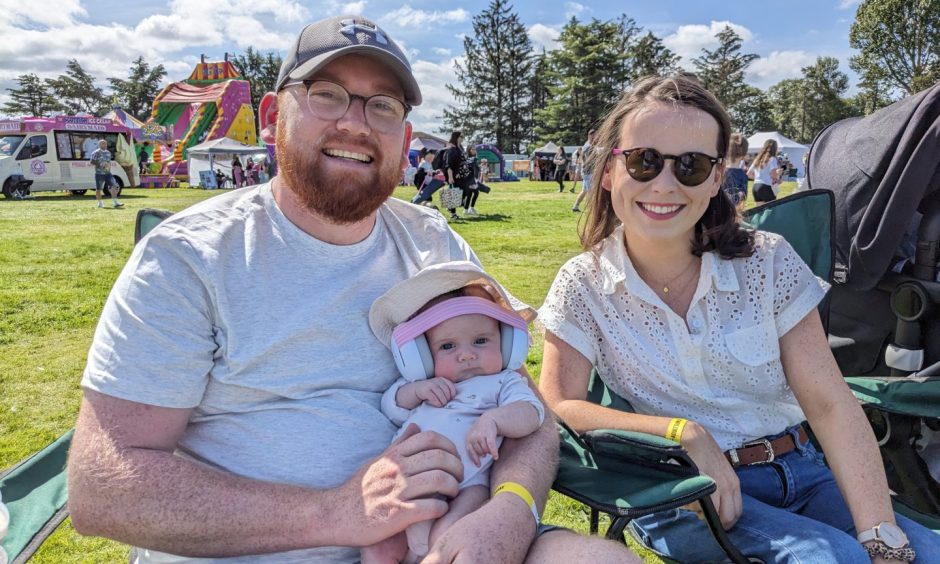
[481, 439]
[435, 391]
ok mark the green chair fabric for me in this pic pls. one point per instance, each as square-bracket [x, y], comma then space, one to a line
[147, 219]
[35, 493]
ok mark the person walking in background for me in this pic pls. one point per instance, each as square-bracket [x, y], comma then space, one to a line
[456, 168]
[484, 171]
[765, 172]
[249, 171]
[261, 170]
[470, 193]
[735, 182]
[101, 160]
[561, 167]
[238, 176]
[587, 169]
[576, 169]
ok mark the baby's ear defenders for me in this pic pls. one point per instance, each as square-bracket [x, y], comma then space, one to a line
[413, 355]
[414, 361]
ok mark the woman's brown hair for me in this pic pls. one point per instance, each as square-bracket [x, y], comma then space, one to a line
[718, 230]
[768, 150]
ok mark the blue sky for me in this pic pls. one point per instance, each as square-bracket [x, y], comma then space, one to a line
[40, 36]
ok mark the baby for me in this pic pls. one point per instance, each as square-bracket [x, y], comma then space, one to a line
[456, 341]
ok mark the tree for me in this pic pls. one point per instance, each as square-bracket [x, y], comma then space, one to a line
[722, 72]
[260, 70]
[752, 113]
[32, 98]
[493, 95]
[899, 44]
[651, 57]
[803, 107]
[585, 76]
[76, 91]
[136, 94]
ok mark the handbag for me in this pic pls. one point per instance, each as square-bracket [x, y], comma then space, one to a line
[451, 197]
[483, 188]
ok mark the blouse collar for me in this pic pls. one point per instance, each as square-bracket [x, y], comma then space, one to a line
[617, 268]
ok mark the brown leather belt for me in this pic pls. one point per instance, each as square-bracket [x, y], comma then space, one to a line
[763, 451]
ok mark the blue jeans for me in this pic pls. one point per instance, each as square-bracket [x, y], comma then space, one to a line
[792, 512]
[427, 190]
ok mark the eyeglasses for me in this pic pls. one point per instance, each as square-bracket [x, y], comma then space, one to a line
[645, 164]
[328, 100]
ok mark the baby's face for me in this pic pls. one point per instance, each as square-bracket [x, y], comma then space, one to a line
[465, 346]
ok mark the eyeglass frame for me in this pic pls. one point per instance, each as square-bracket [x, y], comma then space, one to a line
[307, 83]
[675, 160]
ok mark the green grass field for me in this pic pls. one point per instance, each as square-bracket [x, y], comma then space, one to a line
[59, 256]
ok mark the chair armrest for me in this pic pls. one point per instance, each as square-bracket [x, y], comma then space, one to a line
[637, 447]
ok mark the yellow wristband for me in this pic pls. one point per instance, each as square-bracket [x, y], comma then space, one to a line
[522, 492]
[674, 430]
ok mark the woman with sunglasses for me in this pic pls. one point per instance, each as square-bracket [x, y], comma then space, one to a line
[711, 332]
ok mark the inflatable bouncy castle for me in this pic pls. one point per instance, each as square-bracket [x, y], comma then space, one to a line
[214, 102]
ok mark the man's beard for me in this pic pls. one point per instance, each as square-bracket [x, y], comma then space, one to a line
[336, 197]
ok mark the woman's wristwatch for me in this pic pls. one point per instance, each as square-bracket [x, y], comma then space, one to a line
[888, 541]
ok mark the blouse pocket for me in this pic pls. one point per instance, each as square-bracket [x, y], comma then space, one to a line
[754, 345]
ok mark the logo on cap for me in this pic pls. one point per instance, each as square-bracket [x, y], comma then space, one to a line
[351, 27]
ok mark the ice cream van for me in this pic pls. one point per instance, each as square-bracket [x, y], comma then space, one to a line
[53, 154]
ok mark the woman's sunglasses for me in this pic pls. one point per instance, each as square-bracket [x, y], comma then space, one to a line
[645, 164]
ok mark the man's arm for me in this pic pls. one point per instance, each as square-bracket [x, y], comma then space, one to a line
[125, 483]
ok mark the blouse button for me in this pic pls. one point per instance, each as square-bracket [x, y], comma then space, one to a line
[697, 323]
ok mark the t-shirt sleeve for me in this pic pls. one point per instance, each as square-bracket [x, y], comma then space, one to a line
[796, 289]
[515, 388]
[155, 341]
[566, 312]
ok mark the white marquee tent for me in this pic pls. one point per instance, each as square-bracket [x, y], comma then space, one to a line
[793, 150]
[217, 155]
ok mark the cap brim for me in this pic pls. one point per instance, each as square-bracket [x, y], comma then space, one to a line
[402, 73]
[404, 299]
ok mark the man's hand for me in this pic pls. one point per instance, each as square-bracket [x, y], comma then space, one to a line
[711, 461]
[435, 391]
[398, 488]
[481, 439]
[500, 531]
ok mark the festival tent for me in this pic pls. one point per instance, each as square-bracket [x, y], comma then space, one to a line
[421, 140]
[793, 150]
[217, 155]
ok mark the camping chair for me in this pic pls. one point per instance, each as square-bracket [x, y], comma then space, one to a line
[627, 474]
[34, 490]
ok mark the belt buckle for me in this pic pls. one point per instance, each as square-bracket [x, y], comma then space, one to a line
[767, 446]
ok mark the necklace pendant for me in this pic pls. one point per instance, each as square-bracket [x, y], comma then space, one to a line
[665, 289]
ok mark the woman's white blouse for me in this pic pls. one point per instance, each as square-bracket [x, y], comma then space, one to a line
[720, 366]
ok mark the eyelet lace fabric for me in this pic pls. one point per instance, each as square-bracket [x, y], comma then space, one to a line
[720, 366]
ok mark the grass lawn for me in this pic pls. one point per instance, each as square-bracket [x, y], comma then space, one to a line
[59, 256]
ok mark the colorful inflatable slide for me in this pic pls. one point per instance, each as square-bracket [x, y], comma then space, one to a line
[213, 102]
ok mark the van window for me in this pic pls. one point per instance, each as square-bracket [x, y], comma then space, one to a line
[9, 144]
[64, 146]
[35, 147]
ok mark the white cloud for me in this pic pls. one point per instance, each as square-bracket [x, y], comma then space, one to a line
[432, 78]
[846, 4]
[779, 65]
[406, 16]
[573, 9]
[335, 7]
[543, 36]
[441, 51]
[41, 13]
[689, 40]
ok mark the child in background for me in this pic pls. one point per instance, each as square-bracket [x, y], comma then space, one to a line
[457, 342]
[735, 181]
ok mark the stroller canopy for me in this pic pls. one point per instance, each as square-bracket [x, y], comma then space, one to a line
[881, 168]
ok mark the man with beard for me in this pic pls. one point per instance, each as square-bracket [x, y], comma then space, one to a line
[232, 391]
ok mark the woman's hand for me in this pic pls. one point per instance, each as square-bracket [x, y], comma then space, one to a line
[710, 460]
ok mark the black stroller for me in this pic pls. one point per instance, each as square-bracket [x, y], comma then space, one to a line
[884, 172]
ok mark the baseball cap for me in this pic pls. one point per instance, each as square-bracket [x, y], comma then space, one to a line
[326, 40]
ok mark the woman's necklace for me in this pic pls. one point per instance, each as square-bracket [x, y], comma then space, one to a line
[671, 281]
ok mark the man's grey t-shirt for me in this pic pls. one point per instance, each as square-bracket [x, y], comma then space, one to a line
[230, 309]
